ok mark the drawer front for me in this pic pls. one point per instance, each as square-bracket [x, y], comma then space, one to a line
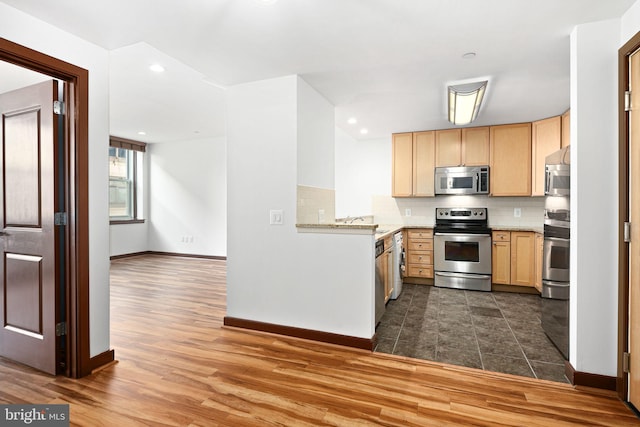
[501, 236]
[426, 245]
[420, 257]
[415, 271]
[420, 234]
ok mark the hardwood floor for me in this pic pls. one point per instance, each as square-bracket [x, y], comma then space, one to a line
[179, 367]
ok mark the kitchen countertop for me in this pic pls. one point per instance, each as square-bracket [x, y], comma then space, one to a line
[383, 230]
[338, 228]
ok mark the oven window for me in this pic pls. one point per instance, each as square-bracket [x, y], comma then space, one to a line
[462, 182]
[560, 182]
[462, 251]
[559, 257]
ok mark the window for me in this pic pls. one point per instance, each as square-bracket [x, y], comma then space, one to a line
[125, 173]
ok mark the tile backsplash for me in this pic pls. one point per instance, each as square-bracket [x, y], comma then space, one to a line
[312, 200]
[421, 211]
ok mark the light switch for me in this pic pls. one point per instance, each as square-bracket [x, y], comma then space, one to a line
[517, 212]
[321, 216]
[407, 212]
[276, 217]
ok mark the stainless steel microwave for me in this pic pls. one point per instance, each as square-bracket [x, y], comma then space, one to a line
[557, 171]
[462, 180]
[557, 180]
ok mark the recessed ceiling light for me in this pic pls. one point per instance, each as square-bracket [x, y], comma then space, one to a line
[156, 68]
[364, 131]
[352, 121]
[266, 2]
[469, 55]
[142, 132]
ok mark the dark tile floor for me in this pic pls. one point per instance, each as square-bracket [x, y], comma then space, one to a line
[494, 331]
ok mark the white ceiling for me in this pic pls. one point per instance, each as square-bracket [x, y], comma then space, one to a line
[385, 62]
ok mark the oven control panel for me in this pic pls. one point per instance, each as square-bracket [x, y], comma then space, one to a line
[461, 214]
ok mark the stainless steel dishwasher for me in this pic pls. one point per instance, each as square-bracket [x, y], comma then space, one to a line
[379, 286]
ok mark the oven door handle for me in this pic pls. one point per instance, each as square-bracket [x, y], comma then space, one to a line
[557, 239]
[464, 275]
[462, 234]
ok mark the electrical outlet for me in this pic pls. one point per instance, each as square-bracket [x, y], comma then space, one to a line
[407, 212]
[517, 212]
[276, 217]
[320, 216]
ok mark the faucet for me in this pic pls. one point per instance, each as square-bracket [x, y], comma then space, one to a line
[349, 220]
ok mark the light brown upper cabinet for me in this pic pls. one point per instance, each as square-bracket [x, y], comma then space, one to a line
[402, 169]
[546, 135]
[510, 162]
[475, 146]
[448, 147]
[565, 140]
[413, 164]
[462, 147]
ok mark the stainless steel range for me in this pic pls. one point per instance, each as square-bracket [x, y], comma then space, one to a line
[462, 249]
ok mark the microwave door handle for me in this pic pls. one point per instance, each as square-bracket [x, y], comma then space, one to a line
[547, 181]
[476, 183]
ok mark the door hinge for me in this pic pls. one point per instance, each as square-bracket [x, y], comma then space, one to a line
[627, 100]
[626, 361]
[60, 218]
[58, 108]
[61, 329]
[627, 232]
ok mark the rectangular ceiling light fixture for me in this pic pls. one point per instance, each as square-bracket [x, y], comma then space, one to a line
[464, 102]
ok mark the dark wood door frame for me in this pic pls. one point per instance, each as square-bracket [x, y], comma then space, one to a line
[623, 208]
[76, 176]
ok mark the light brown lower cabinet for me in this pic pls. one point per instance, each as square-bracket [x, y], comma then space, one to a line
[523, 258]
[419, 252]
[539, 255]
[513, 258]
[501, 257]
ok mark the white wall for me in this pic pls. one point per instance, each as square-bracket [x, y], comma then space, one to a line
[187, 197]
[316, 151]
[363, 170]
[274, 273]
[40, 36]
[128, 238]
[594, 201]
[630, 23]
